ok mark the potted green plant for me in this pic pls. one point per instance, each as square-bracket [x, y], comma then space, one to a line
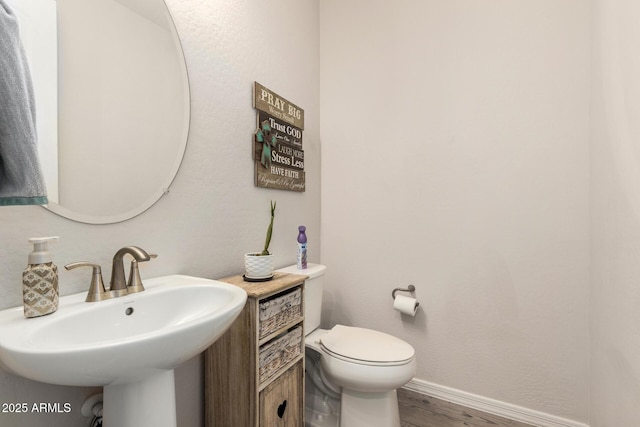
[259, 265]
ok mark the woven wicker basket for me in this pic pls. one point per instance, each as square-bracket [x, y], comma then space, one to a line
[278, 312]
[279, 352]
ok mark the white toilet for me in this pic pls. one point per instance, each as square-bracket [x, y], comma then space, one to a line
[360, 367]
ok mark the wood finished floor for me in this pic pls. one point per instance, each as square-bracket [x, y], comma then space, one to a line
[418, 410]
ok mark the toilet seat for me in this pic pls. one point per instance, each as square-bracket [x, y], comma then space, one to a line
[366, 346]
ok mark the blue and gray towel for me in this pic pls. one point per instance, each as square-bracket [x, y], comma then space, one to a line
[21, 179]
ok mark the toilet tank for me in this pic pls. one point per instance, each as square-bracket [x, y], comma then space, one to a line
[312, 293]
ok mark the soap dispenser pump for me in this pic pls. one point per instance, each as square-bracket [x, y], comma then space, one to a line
[40, 280]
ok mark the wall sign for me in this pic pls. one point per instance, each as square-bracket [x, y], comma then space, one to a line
[283, 131]
[277, 153]
[272, 103]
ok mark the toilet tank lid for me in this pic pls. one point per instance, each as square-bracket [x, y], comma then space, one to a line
[366, 345]
[312, 270]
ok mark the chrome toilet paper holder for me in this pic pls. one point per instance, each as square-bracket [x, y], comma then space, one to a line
[410, 288]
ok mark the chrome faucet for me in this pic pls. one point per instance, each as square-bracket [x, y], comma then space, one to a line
[96, 289]
[118, 284]
[134, 284]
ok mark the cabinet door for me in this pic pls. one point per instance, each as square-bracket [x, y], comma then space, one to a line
[281, 402]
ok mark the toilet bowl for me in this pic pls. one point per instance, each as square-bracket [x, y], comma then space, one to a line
[362, 366]
[367, 366]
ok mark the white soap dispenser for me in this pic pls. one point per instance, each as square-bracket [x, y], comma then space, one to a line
[40, 280]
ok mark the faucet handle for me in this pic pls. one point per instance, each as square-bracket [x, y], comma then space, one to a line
[97, 291]
[135, 281]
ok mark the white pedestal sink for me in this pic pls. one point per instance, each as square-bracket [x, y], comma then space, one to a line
[129, 345]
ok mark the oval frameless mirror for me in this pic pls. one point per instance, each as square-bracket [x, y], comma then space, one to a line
[113, 123]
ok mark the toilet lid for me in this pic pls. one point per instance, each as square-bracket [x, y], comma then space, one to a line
[366, 345]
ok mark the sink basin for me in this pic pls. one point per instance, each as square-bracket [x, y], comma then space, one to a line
[122, 339]
[135, 340]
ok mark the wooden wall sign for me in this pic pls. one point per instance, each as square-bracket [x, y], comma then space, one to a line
[272, 103]
[277, 150]
[283, 131]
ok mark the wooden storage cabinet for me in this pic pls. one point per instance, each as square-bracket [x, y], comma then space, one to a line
[254, 373]
[281, 402]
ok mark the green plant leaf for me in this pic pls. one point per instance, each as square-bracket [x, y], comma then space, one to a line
[267, 241]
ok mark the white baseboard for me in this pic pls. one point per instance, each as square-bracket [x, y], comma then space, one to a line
[491, 406]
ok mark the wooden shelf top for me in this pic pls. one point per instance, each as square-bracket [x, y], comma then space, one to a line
[280, 282]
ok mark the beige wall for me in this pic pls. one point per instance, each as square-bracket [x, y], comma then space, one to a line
[455, 157]
[213, 213]
[615, 306]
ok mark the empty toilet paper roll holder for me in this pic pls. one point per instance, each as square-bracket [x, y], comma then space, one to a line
[410, 288]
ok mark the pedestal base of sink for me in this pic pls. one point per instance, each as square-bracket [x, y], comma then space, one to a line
[147, 403]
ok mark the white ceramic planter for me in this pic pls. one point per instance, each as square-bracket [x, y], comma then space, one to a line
[258, 266]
